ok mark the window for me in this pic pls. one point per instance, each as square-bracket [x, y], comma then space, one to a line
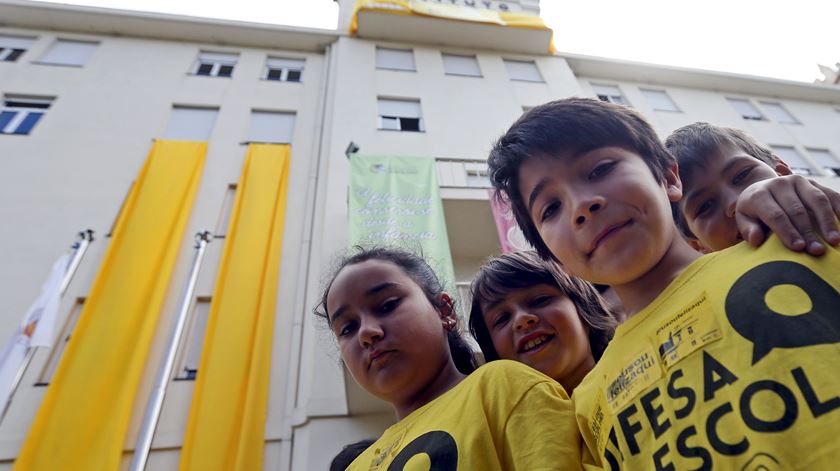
[224, 214]
[454, 64]
[795, 161]
[825, 159]
[400, 115]
[190, 349]
[610, 93]
[478, 175]
[215, 64]
[271, 126]
[12, 47]
[72, 53]
[190, 124]
[58, 348]
[526, 71]
[778, 113]
[746, 109]
[20, 114]
[284, 70]
[659, 100]
[395, 59]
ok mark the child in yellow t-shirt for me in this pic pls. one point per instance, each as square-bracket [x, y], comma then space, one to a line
[721, 363]
[398, 336]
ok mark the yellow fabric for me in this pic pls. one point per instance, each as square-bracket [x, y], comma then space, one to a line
[504, 416]
[83, 420]
[452, 12]
[226, 428]
[733, 366]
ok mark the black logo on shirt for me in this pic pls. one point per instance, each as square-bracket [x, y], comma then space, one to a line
[439, 445]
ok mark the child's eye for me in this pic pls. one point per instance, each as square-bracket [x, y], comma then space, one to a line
[389, 305]
[549, 211]
[601, 170]
[540, 301]
[741, 176]
[704, 208]
[501, 320]
[347, 329]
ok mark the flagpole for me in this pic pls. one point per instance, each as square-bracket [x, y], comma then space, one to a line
[150, 421]
[79, 249]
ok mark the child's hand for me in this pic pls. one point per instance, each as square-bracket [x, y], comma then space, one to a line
[789, 206]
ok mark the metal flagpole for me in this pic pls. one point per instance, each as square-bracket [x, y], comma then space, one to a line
[147, 431]
[79, 249]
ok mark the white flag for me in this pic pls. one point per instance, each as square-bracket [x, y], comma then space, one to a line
[36, 330]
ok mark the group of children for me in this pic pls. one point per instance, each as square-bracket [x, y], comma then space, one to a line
[723, 360]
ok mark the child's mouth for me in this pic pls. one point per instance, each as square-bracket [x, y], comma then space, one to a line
[535, 344]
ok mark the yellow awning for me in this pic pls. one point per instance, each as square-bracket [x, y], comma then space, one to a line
[82, 422]
[226, 428]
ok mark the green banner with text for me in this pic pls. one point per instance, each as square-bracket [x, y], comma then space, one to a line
[395, 201]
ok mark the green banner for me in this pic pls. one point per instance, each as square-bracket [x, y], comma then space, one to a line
[396, 201]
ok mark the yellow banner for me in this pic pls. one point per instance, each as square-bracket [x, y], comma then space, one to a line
[451, 12]
[82, 422]
[226, 428]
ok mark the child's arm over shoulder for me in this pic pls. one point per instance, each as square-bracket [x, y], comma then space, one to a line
[793, 207]
[540, 432]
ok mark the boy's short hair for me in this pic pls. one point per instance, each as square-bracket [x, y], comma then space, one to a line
[693, 144]
[576, 125]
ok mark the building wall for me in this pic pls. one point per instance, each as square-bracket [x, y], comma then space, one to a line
[73, 171]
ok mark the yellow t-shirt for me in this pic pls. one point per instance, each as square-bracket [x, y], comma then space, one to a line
[733, 366]
[504, 416]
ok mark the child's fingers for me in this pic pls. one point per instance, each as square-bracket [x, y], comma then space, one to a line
[750, 229]
[794, 201]
[776, 212]
[827, 212]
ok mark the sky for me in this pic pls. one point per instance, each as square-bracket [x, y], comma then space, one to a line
[771, 38]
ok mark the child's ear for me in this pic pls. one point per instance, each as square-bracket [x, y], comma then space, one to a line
[673, 185]
[781, 167]
[448, 316]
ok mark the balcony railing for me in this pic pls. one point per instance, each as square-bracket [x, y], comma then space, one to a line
[457, 173]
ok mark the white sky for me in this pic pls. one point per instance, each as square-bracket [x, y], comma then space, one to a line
[772, 38]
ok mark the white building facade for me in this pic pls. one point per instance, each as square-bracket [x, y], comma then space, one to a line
[86, 92]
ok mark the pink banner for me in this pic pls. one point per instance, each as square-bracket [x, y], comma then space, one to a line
[511, 237]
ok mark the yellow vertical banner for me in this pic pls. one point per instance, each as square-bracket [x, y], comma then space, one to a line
[83, 419]
[226, 427]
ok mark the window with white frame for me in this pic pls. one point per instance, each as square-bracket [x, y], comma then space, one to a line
[778, 113]
[795, 161]
[400, 115]
[610, 93]
[215, 64]
[456, 64]
[659, 100]
[284, 70]
[746, 109]
[190, 123]
[525, 71]
[395, 59]
[825, 159]
[12, 47]
[272, 127]
[19, 114]
[70, 53]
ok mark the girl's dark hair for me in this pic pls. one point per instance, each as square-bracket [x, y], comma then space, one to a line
[418, 270]
[500, 276]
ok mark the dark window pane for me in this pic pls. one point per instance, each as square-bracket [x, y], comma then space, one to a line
[28, 123]
[26, 104]
[293, 76]
[225, 70]
[274, 74]
[5, 118]
[14, 55]
[409, 124]
[204, 69]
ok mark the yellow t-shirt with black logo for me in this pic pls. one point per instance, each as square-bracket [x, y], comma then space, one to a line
[504, 416]
[733, 366]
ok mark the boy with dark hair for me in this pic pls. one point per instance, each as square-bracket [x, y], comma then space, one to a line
[721, 363]
[716, 165]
